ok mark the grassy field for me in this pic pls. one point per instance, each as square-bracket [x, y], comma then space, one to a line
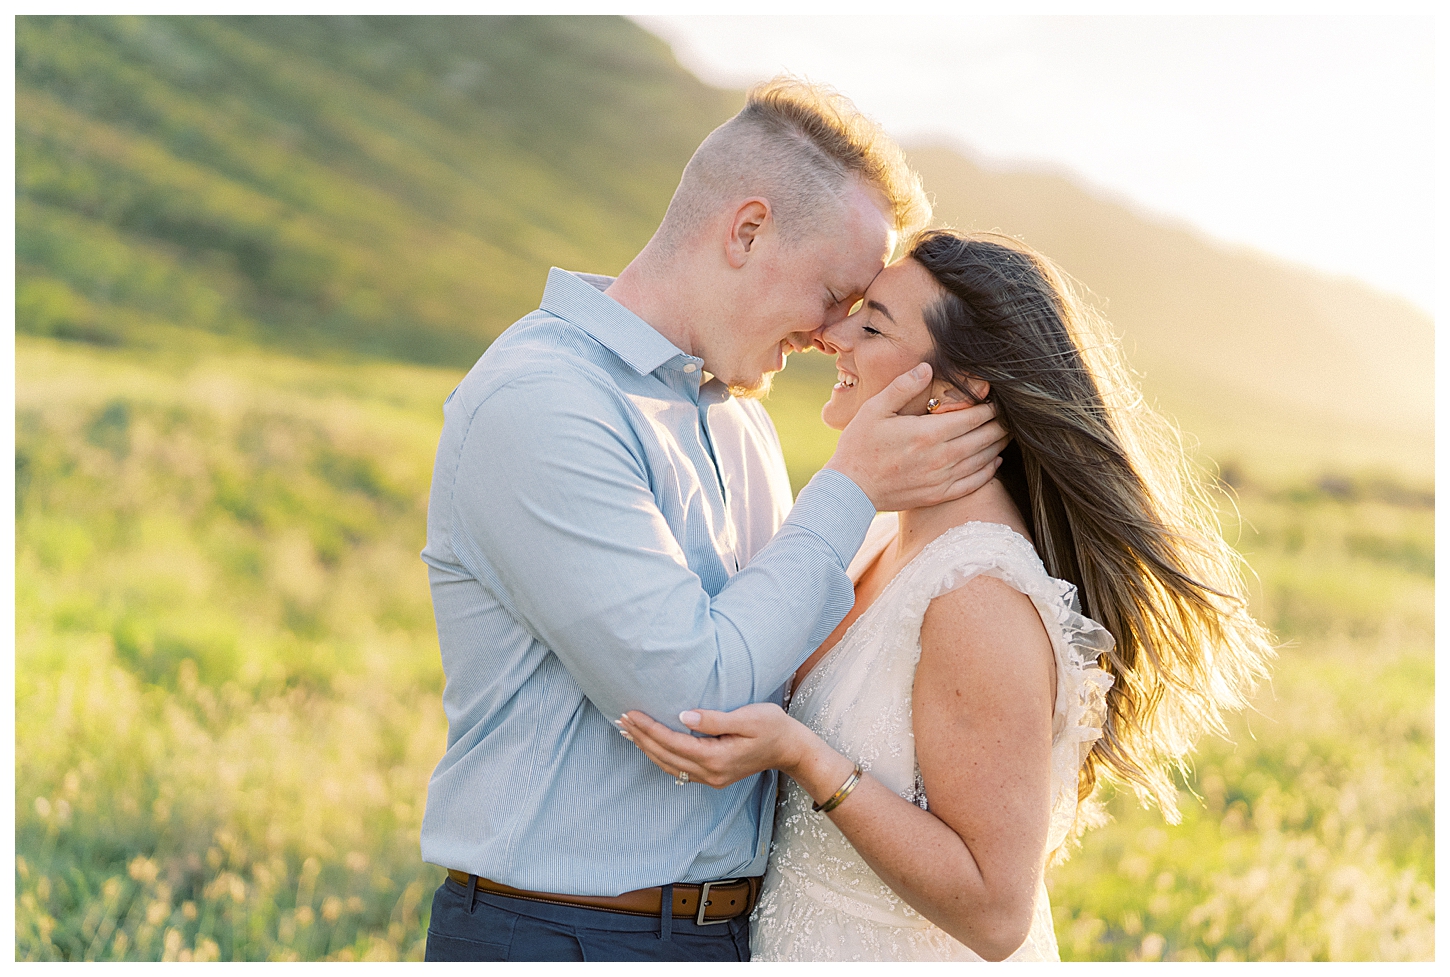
[1312, 833]
[227, 685]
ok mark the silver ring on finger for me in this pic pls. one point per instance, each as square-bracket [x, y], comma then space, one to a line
[682, 779]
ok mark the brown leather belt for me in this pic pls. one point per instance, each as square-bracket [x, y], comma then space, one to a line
[709, 902]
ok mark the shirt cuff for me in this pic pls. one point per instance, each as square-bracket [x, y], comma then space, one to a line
[835, 509]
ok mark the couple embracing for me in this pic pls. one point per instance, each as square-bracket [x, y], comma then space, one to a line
[691, 718]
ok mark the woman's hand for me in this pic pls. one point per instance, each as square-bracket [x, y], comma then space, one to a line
[737, 744]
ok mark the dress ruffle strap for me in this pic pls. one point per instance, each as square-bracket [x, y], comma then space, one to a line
[1079, 643]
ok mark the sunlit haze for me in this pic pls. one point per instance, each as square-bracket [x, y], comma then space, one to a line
[1311, 138]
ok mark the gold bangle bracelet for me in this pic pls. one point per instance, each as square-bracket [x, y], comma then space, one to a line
[834, 801]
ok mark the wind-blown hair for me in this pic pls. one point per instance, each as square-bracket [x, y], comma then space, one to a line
[797, 144]
[1114, 505]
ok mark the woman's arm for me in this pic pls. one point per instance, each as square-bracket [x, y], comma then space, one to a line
[982, 713]
[982, 708]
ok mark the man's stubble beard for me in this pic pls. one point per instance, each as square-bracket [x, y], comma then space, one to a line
[759, 388]
[757, 391]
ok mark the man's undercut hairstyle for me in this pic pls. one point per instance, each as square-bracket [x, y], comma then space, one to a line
[798, 145]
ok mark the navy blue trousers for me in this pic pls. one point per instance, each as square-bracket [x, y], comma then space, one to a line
[485, 926]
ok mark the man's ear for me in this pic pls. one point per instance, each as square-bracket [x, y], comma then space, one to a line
[746, 225]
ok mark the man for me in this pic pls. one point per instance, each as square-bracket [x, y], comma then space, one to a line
[610, 528]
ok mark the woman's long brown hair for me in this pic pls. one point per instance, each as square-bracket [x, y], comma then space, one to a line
[1114, 504]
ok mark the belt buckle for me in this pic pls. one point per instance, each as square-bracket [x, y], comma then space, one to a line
[705, 901]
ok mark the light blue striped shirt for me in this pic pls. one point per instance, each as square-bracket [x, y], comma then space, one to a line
[606, 534]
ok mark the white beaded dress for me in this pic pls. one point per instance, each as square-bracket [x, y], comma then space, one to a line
[820, 900]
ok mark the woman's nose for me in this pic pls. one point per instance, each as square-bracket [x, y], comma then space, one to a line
[829, 339]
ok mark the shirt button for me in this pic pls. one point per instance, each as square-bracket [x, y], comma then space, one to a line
[689, 368]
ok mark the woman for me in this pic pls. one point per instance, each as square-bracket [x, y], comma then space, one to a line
[952, 729]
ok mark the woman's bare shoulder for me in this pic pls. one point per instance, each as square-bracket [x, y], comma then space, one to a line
[984, 627]
[987, 605]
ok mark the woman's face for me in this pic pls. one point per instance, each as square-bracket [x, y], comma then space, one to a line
[883, 339]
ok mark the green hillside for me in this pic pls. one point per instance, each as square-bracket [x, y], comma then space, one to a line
[395, 187]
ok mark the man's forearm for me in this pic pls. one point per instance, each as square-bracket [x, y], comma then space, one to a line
[647, 636]
[575, 537]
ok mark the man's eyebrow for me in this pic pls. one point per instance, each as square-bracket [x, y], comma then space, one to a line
[873, 304]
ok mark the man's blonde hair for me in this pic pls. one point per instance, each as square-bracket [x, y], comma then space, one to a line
[799, 145]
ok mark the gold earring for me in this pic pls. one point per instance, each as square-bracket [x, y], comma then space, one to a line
[932, 405]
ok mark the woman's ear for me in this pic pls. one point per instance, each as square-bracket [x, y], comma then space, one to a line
[945, 392]
[977, 391]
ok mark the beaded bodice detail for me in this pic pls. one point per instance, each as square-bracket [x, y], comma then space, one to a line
[821, 901]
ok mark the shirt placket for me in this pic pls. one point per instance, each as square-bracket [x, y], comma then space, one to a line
[731, 537]
[690, 374]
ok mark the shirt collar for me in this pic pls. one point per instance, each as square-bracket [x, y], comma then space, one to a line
[579, 298]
